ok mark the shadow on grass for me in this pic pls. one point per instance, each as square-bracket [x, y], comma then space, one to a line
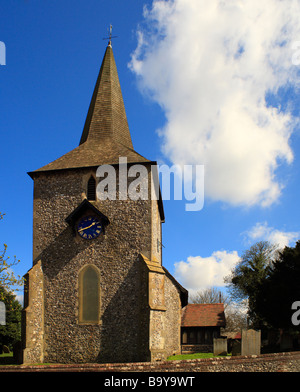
[7, 359]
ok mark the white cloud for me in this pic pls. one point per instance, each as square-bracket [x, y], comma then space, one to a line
[197, 273]
[203, 272]
[209, 64]
[262, 231]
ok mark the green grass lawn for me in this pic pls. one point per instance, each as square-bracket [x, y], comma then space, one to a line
[192, 356]
[7, 359]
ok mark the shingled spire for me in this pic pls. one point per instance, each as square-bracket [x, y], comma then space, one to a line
[106, 116]
[106, 135]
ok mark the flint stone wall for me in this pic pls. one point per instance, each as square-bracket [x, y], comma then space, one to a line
[279, 362]
[122, 334]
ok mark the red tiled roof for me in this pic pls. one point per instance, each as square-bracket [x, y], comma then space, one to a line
[233, 335]
[203, 315]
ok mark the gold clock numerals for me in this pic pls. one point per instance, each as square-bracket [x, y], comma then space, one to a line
[89, 228]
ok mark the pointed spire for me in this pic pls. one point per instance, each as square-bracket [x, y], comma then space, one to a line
[105, 135]
[106, 116]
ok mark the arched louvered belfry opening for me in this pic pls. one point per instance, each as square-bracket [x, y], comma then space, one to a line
[91, 189]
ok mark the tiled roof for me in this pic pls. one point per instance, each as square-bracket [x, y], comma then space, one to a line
[233, 335]
[203, 315]
[90, 154]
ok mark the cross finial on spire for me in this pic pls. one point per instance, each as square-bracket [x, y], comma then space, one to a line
[110, 35]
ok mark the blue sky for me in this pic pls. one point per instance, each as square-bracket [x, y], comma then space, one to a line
[213, 85]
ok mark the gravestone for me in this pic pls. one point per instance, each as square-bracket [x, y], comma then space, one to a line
[251, 342]
[18, 352]
[220, 346]
[236, 348]
[5, 349]
[286, 342]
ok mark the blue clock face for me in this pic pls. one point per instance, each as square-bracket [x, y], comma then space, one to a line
[89, 227]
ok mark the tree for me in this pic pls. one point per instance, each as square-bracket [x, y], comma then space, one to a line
[210, 295]
[248, 275]
[280, 289]
[8, 280]
[10, 333]
[236, 316]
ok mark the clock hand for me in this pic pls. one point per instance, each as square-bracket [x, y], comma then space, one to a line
[85, 228]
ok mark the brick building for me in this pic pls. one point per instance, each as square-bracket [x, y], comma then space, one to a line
[97, 290]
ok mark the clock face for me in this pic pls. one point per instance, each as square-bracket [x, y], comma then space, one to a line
[89, 227]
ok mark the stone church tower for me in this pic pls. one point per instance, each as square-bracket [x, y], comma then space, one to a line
[97, 290]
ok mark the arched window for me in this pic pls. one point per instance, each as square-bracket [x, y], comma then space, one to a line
[89, 295]
[91, 189]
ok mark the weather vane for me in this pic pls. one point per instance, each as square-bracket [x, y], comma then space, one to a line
[110, 35]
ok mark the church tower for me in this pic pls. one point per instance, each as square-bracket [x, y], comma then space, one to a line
[97, 290]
